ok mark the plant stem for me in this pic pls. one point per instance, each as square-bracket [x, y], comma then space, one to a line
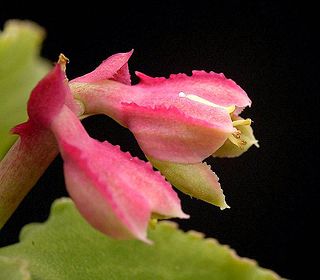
[21, 168]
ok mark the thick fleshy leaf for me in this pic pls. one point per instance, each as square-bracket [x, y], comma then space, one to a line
[196, 180]
[115, 192]
[114, 67]
[14, 269]
[228, 149]
[67, 248]
[20, 69]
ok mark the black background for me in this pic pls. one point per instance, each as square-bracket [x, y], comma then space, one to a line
[269, 49]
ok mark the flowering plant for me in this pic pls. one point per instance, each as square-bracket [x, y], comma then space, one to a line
[178, 122]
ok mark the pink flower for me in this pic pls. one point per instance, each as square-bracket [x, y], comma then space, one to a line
[178, 121]
[115, 192]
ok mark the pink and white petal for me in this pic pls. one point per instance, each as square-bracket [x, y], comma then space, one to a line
[48, 98]
[211, 86]
[151, 184]
[170, 134]
[111, 206]
[114, 67]
[196, 180]
[102, 179]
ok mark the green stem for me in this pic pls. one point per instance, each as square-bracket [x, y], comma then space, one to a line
[21, 168]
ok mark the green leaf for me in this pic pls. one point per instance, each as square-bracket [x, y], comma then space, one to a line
[66, 247]
[14, 269]
[21, 68]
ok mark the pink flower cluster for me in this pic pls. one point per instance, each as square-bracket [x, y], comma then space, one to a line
[178, 122]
